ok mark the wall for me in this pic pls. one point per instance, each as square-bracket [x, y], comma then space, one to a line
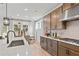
[39, 29]
[72, 30]
[1, 23]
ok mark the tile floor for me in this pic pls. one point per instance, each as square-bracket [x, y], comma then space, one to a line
[37, 50]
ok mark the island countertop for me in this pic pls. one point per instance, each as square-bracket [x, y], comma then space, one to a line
[22, 50]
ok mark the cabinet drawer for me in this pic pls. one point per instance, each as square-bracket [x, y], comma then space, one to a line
[49, 43]
[54, 45]
[70, 46]
[52, 52]
[66, 6]
[62, 51]
[43, 43]
[73, 53]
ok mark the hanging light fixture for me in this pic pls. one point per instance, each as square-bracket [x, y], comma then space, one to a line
[6, 19]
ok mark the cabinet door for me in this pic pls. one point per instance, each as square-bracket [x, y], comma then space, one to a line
[74, 4]
[49, 44]
[73, 53]
[52, 44]
[52, 47]
[46, 23]
[45, 44]
[66, 6]
[62, 51]
[42, 42]
[60, 24]
[53, 20]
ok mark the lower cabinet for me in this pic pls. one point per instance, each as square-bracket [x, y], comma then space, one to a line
[65, 49]
[43, 43]
[62, 51]
[49, 45]
[52, 47]
[52, 52]
[73, 53]
[57, 48]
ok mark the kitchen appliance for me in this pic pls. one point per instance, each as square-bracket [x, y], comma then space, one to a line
[70, 40]
[70, 14]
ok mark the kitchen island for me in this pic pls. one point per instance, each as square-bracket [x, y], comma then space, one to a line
[23, 50]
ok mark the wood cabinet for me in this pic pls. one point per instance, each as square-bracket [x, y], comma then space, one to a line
[58, 48]
[66, 6]
[49, 45]
[65, 49]
[52, 47]
[53, 20]
[73, 53]
[46, 23]
[43, 43]
[74, 4]
[60, 24]
[62, 51]
[69, 5]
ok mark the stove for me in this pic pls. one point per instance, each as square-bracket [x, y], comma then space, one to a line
[70, 40]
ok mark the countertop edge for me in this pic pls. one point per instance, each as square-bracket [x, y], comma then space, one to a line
[60, 40]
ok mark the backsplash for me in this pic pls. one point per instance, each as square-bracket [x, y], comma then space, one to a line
[72, 30]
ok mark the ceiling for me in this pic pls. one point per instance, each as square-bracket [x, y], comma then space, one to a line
[26, 11]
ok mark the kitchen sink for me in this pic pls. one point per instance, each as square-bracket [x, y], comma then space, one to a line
[70, 40]
[16, 43]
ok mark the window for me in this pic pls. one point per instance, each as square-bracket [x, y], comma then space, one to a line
[38, 25]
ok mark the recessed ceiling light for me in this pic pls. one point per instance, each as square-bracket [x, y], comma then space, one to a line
[25, 9]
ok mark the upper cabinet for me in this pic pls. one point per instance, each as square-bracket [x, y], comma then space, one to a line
[66, 6]
[46, 23]
[60, 24]
[53, 20]
[70, 12]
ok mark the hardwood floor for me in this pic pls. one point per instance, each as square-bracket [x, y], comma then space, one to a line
[37, 50]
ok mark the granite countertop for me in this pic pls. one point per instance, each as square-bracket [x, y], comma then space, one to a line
[61, 40]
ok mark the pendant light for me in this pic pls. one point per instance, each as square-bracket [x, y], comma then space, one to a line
[6, 19]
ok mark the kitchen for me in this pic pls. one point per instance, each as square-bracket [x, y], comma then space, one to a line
[39, 29]
[63, 33]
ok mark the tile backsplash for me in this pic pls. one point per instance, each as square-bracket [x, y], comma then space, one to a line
[72, 30]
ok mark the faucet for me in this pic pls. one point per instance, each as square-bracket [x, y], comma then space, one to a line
[55, 34]
[8, 33]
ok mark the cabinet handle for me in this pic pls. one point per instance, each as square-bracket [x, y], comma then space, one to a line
[67, 52]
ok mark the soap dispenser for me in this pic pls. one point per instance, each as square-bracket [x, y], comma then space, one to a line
[55, 35]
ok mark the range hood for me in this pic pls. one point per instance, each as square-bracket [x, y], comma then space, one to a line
[70, 14]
